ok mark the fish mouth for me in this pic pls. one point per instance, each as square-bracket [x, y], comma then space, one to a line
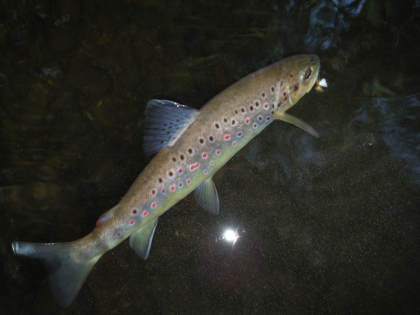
[318, 68]
[317, 65]
[321, 84]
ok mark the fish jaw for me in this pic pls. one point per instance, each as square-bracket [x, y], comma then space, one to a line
[302, 74]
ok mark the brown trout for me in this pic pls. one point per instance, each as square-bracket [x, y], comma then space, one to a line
[192, 145]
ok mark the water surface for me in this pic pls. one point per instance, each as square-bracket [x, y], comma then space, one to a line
[327, 226]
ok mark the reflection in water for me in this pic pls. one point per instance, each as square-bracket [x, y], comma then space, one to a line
[331, 223]
[230, 235]
[289, 158]
[328, 19]
[391, 121]
[397, 118]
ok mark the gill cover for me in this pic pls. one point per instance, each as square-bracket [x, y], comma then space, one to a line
[302, 77]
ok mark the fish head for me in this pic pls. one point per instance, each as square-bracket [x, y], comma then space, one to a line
[299, 74]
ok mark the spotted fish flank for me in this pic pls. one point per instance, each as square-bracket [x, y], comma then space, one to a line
[192, 145]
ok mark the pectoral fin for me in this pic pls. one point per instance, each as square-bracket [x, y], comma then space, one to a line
[141, 240]
[207, 197]
[296, 122]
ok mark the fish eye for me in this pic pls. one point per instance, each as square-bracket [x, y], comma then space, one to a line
[307, 74]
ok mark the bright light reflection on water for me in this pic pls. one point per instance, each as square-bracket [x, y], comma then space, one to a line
[230, 236]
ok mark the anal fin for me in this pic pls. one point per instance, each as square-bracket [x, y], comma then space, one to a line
[207, 197]
[141, 240]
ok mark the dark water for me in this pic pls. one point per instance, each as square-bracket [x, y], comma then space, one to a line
[327, 226]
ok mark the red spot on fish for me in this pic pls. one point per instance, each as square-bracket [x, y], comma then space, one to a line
[180, 171]
[254, 125]
[145, 213]
[227, 137]
[204, 155]
[154, 204]
[131, 222]
[218, 152]
[163, 190]
[173, 188]
[239, 134]
[260, 117]
[266, 106]
[118, 234]
[194, 166]
[247, 121]
[188, 181]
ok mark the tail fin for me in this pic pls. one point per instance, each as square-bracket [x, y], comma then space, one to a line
[67, 274]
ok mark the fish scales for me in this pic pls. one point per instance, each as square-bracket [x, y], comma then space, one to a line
[205, 141]
[247, 112]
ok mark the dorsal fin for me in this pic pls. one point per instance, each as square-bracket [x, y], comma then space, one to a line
[165, 122]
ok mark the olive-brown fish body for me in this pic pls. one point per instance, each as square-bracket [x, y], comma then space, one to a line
[193, 146]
